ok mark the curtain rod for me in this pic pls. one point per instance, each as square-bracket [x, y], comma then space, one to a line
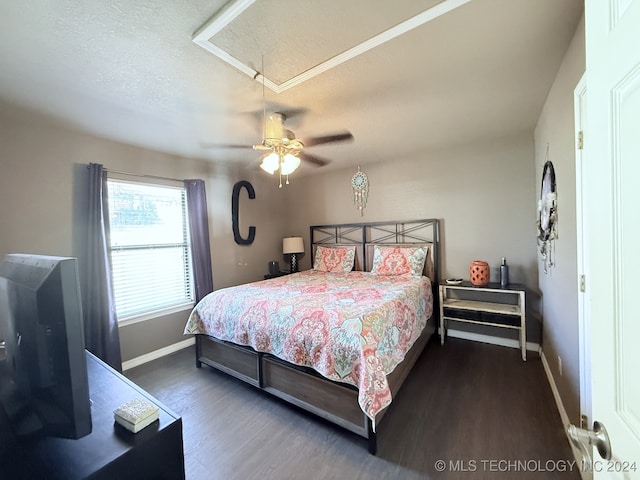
[156, 177]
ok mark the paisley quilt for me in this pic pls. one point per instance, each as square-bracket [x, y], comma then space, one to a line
[350, 327]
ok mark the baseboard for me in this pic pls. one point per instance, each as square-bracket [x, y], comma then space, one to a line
[479, 337]
[147, 357]
[563, 414]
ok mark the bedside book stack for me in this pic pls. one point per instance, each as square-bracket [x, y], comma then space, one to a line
[136, 414]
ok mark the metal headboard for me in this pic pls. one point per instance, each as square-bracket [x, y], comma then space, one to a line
[405, 232]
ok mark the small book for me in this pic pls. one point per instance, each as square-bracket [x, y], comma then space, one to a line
[136, 414]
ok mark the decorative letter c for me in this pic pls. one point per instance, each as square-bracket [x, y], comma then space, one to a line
[235, 201]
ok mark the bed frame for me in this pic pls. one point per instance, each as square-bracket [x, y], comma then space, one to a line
[303, 387]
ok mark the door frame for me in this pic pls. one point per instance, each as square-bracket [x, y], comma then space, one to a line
[584, 331]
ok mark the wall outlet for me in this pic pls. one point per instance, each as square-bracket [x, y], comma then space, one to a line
[560, 365]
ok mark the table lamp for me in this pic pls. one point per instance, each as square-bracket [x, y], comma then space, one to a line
[293, 246]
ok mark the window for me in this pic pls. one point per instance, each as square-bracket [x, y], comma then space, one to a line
[150, 253]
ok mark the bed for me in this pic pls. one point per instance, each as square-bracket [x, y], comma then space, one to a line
[339, 339]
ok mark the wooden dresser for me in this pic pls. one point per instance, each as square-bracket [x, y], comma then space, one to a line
[109, 451]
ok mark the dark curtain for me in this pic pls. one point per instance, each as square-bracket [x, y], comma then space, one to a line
[199, 229]
[100, 322]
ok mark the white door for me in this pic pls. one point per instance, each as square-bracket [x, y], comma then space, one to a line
[611, 202]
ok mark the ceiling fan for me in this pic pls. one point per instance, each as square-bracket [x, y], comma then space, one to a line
[283, 152]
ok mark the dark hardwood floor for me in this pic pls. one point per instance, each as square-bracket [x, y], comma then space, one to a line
[468, 410]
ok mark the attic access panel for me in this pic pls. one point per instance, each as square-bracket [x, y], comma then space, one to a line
[300, 40]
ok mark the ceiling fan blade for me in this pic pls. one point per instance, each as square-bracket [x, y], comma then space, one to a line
[338, 137]
[291, 113]
[225, 145]
[312, 159]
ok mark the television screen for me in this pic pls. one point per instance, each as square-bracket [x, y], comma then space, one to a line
[43, 372]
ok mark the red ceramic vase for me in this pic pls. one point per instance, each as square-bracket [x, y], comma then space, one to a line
[479, 273]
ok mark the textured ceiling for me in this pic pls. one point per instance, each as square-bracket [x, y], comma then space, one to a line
[129, 71]
[248, 31]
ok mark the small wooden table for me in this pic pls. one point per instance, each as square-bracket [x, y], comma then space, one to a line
[491, 305]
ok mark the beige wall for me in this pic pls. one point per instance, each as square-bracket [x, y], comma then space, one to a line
[559, 287]
[482, 194]
[41, 191]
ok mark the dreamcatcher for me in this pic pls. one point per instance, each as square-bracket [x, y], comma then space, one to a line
[360, 187]
[547, 215]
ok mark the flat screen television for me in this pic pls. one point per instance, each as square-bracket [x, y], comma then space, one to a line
[44, 389]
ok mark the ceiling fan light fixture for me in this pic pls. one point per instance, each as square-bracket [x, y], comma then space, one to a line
[281, 162]
[271, 163]
[289, 164]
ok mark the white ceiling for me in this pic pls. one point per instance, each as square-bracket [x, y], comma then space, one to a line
[404, 77]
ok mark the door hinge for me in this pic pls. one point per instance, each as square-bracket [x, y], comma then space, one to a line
[580, 140]
[582, 283]
[584, 421]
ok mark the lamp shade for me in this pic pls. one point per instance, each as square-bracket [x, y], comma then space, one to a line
[270, 163]
[289, 164]
[292, 245]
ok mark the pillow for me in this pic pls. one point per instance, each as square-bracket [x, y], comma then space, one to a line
[398, 260]
[334, 259]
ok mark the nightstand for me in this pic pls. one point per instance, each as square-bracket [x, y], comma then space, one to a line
[279, 274]
[491, 305]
